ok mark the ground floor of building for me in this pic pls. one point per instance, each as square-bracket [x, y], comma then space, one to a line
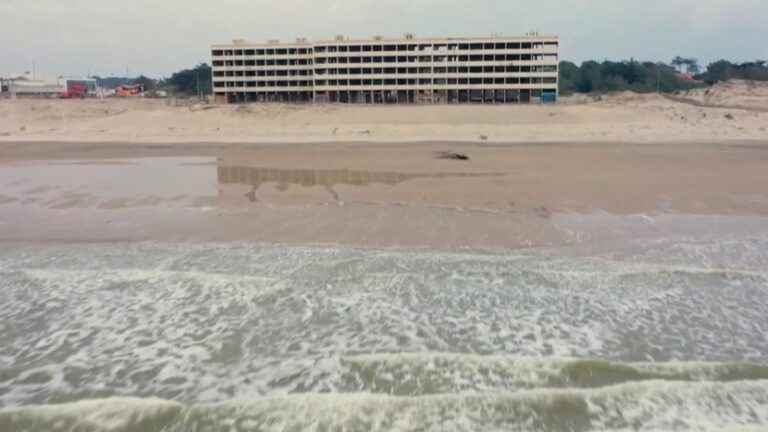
[489, 96]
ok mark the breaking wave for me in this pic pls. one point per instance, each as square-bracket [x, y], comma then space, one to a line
[649, 405]
[158, 337]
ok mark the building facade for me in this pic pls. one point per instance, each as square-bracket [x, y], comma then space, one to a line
[378, 71]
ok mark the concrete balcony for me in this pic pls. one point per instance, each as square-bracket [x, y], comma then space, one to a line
[262, 89]
[348, 54]
[437, 87]
[435, 64]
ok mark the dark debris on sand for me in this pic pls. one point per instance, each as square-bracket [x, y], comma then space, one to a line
[452, 156]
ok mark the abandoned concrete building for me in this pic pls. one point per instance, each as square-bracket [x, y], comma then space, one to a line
[389, 71]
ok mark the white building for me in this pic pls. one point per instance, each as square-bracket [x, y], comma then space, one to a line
[408, 70]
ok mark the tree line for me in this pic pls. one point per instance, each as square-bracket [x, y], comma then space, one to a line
[589, 77]
[186, 82]
[645, 77]
[724, 70]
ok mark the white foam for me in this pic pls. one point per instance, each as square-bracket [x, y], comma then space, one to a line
[254, 320]
[647, 406]
[114, 414]
[636, 406]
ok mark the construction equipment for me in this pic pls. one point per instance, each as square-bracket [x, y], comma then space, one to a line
[125, 90]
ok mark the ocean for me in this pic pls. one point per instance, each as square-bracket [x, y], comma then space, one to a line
[162, 336]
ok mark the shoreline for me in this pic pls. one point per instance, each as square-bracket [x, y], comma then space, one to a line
[89, 149]
[505, 197]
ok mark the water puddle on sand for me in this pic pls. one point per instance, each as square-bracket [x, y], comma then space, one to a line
[250, 198]
[210, 198]
[312, 181]
[110, 183]
[176, 181]
[256, 176]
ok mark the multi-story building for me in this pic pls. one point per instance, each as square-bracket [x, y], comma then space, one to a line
[408, 70]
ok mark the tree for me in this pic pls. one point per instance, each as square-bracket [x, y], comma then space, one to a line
[692, 65]
[678, 62]
[148, 84]
[594, 77]
[192, 81]
[720, 70]
[569, 73]
[756, 71]
[590, 77]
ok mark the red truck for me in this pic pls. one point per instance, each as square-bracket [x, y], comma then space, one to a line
[75, 90]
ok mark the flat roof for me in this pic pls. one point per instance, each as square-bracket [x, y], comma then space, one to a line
[401, 41]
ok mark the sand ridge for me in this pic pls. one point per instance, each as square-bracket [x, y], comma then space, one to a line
[729, 111]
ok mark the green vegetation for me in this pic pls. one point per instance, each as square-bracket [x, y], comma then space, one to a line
[195, 81]
[187, 82]
[609, 76]
[691, 65]
[148, 84]
[590, 77]
[724, 70]
[646, 77]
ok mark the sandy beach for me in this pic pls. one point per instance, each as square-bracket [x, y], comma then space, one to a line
[373, 176]
[730, 111]
[378, 194]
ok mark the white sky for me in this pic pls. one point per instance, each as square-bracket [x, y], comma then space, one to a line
[157, 37]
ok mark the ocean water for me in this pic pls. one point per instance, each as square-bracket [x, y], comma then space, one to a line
[665, 335]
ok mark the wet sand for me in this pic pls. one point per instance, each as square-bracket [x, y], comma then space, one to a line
[380, 195]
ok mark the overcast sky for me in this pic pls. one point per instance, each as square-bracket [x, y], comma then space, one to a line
[157, 37]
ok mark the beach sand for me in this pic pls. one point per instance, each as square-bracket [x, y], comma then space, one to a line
[737, 112]
[608, 167]
[380, 194]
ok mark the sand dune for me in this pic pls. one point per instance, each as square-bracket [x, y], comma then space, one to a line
[625, 117]
[748, 95]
